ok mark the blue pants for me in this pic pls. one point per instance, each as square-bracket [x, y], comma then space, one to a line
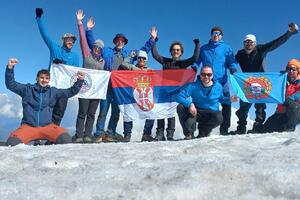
[147, 127]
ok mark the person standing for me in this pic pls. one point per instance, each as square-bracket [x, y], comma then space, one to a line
[220, 56]
[252, 59]
[200, 102]
[38, 101]
[175, 62]
[58, 54]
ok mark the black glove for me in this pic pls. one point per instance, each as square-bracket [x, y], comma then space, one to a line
[282, 71]
[196, 41]
[38, 12]
[58, 61]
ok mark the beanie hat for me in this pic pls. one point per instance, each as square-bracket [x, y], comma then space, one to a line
[294, 62]
[69, 35]
[143, 54]
[120, 35]
[216, 28]
[250, 37]
[98, 43]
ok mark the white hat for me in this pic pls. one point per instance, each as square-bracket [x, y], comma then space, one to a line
[99, 43]
[250, 37]
[143, 54]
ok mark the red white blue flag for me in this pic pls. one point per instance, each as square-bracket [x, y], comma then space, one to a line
[149, 94]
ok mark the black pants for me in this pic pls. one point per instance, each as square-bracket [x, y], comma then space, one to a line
[226, 113]
[242, 114]
[207, 120]
[59, 110]
[170, 129]
[280, 122]
[86, 116]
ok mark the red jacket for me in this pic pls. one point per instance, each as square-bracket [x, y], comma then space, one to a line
[290, 90]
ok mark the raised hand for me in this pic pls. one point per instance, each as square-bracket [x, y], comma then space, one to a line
[293, 28]
[79, 15]
[91, 23]
[80, 75]
[38, 12]
[153, 32]
[12, 62]
[196, 41]
[132, 54]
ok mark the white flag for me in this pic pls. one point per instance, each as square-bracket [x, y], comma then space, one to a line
[95, 82]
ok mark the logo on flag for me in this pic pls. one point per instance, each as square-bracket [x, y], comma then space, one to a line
[257, 87]
[87, 83]
[143, 93]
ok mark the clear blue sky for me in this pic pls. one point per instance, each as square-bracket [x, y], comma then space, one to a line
[175, 20]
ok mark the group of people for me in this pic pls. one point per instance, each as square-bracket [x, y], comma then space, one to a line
[199, 102]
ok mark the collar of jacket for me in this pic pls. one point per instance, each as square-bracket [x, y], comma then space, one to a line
[66, 49]
[39, 88]
[212, 43]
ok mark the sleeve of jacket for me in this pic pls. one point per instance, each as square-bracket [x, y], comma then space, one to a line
[90, 38]
[270, 46]
[295, 96]
[190, 61]
[230, 61]
[156, 55]
[46, 37]
[83, 42]
[126, 64]
[184, 94]
[13, 85]
[148, 45]
[70, 92]
[201, 55]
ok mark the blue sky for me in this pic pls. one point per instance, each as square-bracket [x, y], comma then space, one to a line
[175, 20]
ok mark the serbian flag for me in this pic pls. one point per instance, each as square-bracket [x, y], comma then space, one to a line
[95, 82]
[259, 87]
[149, 94]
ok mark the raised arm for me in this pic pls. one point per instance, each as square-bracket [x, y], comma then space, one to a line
[231, 63]
[270, 46]
[44, 33]
[126, 63]
[89, 33]
[83, 42]
[72, 91]
[190, 61]
[10, 82]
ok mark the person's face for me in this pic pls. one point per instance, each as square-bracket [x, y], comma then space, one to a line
[293, 73]
[120, 43]
[96, 50]
[249, 45]
[69, 43]
[206, 75]
[141, 61]
[176, 51]
[43, 80]
[216, 36]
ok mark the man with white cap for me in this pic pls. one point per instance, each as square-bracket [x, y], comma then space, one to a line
[251, 59]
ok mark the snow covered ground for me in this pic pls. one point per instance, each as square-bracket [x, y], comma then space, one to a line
[218, 167]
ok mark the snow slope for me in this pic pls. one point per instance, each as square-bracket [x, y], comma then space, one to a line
[233, 167]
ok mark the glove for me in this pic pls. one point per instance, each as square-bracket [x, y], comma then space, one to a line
[196, 41]
[293, 27]
[58, 61]
[282, 71]
[38, 12]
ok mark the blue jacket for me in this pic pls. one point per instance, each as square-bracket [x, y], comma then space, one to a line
[37, 101]
[57, 51]
[220, 56]
[205, 98]
[108, 53]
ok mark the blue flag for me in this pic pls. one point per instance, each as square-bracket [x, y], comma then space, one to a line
[259, 87]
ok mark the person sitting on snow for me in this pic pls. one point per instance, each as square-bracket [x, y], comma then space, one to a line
[287, 115]
[200, 101]
[38, 101]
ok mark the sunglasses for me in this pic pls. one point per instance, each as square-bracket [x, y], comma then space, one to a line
[291, 69]
[216, 33]
[206, 74]
[176, 49]
[143, 58]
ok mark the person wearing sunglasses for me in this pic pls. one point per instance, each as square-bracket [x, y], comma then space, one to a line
[87, 107]
[220, 56]
[58, 54]
[199, 102]
[142, 59]
[113, 60]
[252, 59]
[287, 115]
[175, 62]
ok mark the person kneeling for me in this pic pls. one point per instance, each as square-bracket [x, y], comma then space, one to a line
[200, 102]
[38, 101]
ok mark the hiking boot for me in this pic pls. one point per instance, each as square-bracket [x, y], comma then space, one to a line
[189, 136]
[88, 139]
[98, 139]
[147, 138]
[160, 135]
[77, 139]
[237, 132]
[127, 138]
[257, 126]
[202, 134]
[107, 138]
[118, 137]
[170, 139]
[224, 132]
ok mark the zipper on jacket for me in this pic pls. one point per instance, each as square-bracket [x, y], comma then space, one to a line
[40, 108]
